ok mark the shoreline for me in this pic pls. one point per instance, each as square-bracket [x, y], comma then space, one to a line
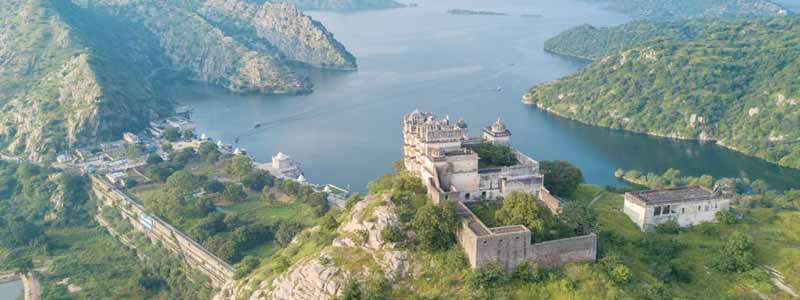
[30, 286]
[526, 100]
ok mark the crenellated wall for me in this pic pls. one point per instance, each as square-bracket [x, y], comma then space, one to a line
[158, 231]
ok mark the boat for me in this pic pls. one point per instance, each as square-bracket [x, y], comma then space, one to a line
[257, 126]
[499, 89]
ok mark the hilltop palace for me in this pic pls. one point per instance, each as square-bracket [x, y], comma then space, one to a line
[440, 153]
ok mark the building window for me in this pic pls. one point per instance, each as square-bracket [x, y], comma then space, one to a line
[666, 210]
[706, 207]
[683, 210]
[658, 211]
[467, 196]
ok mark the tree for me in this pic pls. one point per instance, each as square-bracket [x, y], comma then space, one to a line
[154, 159]
[377, 288]
[234, 193]
[286, 232]
[522, 209]
[214, 187]
[257, 180]
[208, 151]
[171, 134]
[240, 166]
[435, 226]
[561, 177]
[19, 262]
[579, 216]
[182, 183]
[738, 254]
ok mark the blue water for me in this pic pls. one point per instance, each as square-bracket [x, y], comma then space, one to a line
[348, 131]
[11, 290]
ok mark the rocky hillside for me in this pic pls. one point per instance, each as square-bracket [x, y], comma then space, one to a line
[74, 73]
[688, 9]
[358, 251]
[341, 5]
[736, 84]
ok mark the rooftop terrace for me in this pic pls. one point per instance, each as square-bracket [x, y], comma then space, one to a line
[673, 195]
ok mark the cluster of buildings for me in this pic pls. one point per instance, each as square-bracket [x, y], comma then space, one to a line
[441, 153]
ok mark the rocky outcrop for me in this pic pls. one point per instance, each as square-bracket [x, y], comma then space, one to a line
[282, 26]
[74, 73]
[358, 249]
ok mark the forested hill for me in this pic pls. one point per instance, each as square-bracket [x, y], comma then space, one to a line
[77, 72]
[342, 5]
[686, 9]
[591, 43]
[736, 82]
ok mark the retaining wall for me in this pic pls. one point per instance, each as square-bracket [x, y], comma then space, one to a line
[158, 231]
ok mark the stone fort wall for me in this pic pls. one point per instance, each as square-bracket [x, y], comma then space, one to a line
[511, 246]
[158, 231]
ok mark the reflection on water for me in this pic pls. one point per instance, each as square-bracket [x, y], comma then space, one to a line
[348, 131]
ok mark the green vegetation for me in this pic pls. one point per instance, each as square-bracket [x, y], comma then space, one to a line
[688, 9]
[735, 83]
[46, 221]
[523, 209]
[242, 211]
[96, 61]
[561, 177]
[495, 155]
[591, 43]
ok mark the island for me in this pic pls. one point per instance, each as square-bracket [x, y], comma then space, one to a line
[467, 12]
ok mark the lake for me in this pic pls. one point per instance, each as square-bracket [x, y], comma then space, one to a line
[348, 131]
[11, 290]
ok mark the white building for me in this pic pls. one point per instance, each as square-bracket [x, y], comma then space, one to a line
[686, 205]
[131, 138]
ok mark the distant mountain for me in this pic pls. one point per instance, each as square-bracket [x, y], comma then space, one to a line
[74, 73]
[734, 81]
[662, 10]
[342, 5]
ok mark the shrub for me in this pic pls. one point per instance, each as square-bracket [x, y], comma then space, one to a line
[737, 255]
[393, 234]
[668, 227]
[351, 291]
[435, 226]
[528, 272]
[726, 217]
[487, 276]
[247, 265]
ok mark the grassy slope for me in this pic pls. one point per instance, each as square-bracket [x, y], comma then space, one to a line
[776, 236]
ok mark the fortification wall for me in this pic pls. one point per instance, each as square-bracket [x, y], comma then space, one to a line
[158, 231]
[559, 252]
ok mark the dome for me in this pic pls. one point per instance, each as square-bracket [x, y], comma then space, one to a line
[498, 126]
[301, 178]
[461, 124]
[281, 156]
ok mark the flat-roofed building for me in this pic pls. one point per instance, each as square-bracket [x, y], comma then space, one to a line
[686, 205]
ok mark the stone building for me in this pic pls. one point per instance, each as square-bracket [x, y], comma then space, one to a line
[686, 205]
[441, 154]
[440, 151]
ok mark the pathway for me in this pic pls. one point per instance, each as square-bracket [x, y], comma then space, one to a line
[596, 197]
